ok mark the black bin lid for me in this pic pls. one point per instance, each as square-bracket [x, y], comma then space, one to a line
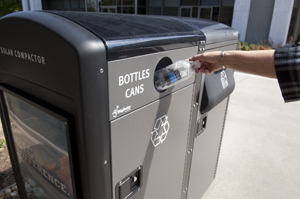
[131, 35]
[215, 32]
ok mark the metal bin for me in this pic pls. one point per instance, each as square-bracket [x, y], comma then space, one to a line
[82, 117]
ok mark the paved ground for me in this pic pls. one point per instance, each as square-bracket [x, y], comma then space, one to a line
[260, 154]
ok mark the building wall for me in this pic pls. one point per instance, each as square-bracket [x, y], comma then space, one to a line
[297, 24]
[277, 16]
[251, 23]
[31, 5]
[259, 21]
[294, 29]
[281, 21]
[240, 17]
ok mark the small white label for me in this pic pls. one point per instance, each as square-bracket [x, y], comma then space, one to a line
[118, 111]
[224, 80]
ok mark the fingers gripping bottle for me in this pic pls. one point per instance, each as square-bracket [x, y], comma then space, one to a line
[175, 73]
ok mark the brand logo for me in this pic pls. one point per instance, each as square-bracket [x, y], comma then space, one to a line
[161, 129]
[224, 80]
[118, 111]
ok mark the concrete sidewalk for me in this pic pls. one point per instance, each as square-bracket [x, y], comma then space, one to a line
[260, 154]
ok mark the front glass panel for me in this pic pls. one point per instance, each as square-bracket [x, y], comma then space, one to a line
[41, 145]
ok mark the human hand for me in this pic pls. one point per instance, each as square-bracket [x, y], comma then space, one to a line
[209, 61]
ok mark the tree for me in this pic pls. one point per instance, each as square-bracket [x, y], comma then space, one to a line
[9, 6]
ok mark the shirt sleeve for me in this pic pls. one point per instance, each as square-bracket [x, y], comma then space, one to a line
[287, 66]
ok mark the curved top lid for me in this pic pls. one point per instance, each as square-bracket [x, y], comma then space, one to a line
[131, 35]
[215, 32]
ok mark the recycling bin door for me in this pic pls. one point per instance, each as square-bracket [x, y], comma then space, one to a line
[152, 140]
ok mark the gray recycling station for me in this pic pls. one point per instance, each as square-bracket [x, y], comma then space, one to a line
[83, 119]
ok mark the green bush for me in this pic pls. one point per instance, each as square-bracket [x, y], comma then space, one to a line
[2, 143]
[246, 46]
[9, 6]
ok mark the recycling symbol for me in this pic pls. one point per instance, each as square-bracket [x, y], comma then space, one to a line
[160, 132]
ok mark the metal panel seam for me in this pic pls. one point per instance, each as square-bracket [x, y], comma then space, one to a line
[187, 144]
[221, 139]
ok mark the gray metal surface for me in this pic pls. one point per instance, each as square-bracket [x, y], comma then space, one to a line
[206, 151]
[215, 32]
[163, 165]
[219, 33]
[227, 45]
[138, 72]
[206, 146]
[197, 96]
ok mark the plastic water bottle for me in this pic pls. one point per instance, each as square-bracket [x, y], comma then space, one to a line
[174, 74]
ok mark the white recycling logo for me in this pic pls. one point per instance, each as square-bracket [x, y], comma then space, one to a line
[160, 132]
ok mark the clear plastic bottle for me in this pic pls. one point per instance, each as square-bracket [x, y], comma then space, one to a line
[174, 74]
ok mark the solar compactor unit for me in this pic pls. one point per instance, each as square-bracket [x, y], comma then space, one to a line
[83, 119]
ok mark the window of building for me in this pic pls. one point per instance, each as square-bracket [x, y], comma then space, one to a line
[108, 2]
[128, 10]
[226, 12]
[294, 28]
[216, 10]
[205, 13]
[195, 12]
[171, 7]
[215, 14]
[141, 7]
[129, 2]
[117, 6]
[75, 5]
[189, 2]
[210, 2]
[66, 5]
[155, 7]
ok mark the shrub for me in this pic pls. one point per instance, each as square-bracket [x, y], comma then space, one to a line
[245, 46]
[2, 143]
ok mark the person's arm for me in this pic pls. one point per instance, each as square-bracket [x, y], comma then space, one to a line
[254, 62]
